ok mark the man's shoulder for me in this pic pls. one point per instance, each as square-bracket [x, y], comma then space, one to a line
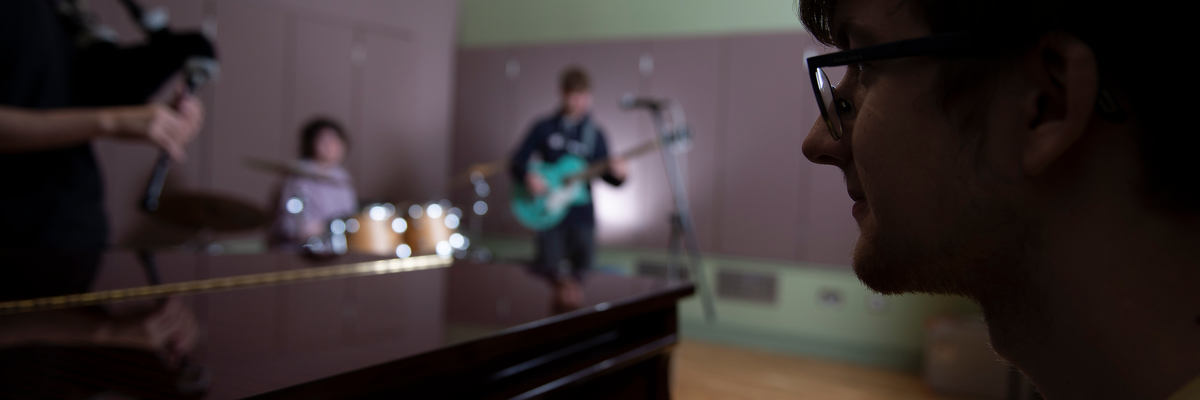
[546, 121]
[544, 125]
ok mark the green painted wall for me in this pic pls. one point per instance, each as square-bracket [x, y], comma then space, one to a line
[486, 23]
[796, 322]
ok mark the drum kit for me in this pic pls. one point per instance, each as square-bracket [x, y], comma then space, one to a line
[419, 229]
[414, 229]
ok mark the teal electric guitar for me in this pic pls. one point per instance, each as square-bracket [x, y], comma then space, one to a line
[566, 186]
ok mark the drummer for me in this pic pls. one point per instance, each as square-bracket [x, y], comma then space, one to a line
[320, 190]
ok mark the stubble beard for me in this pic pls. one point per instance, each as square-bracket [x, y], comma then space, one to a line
[988, 251]
[989, 255]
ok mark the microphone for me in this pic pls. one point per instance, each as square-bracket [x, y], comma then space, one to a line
[162, 56]
[629, 101]
[197, 70]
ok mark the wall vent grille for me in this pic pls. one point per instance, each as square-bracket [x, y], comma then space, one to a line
[659, 269]
[747, 286]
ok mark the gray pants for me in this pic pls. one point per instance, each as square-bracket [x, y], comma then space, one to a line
[573, 242]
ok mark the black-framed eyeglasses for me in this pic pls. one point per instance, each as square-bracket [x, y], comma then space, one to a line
[823, 87]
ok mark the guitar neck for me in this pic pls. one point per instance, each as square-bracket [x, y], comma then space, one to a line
[597, 168]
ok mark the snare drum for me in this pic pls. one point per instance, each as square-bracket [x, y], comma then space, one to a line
[378, 230]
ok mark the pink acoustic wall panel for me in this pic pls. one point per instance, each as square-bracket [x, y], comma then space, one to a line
[485, 107]
[537, 95]
[688, 71]
[484, 126]
[247, 117]
[400, 160]
[763, 174]
[320, 76]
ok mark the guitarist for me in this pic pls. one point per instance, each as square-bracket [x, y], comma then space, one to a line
[570, 130]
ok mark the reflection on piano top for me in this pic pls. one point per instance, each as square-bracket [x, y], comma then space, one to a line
[158, 290]
[260, 339]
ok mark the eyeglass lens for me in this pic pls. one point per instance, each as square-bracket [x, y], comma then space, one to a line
[826, 76]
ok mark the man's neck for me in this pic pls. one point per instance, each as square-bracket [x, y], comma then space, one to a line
[1116, 309]
[573, 117]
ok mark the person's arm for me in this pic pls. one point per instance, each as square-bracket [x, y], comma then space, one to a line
[617, 169]
[520, 160]
[171, 329]
[25, 130]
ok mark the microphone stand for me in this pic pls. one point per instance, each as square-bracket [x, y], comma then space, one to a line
[197, 71]
[682, 227]
[153, 27]
[193, 379]
[196, 75]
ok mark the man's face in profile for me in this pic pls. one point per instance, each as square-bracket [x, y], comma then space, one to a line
[933, 199]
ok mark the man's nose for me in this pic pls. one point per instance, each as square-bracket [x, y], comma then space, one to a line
[819, 146]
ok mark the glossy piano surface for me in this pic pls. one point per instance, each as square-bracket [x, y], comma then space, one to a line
[257, 340]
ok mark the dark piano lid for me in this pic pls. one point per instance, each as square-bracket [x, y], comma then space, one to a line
[263, 338]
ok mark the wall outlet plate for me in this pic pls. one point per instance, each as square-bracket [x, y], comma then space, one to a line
[831, 298]
[877, 303]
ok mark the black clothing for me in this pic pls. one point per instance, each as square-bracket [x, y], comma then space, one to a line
[30, 274]
[573, 239]
[48, 199]
[573, 242]
[555, 136]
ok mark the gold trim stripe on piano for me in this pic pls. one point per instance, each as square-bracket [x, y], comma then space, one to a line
[226, 283]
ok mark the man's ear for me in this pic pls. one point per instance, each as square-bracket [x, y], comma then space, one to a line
[1063, 69]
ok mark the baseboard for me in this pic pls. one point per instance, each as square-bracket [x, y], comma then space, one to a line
[897, 359]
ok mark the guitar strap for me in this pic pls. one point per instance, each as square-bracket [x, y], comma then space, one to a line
[587, 138]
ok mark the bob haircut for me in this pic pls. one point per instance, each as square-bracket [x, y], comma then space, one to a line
[314, 127]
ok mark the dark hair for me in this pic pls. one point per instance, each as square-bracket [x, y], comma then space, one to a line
[574, 79]
[1130, 41]
[308, 135]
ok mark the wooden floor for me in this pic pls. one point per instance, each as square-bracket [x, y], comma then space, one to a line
[711, 371]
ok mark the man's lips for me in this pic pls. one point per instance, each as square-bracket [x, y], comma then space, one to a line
[860, 204]
[856, 195]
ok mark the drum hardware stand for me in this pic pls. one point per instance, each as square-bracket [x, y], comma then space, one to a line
[481, 189]
[682, 228]
[149, 266]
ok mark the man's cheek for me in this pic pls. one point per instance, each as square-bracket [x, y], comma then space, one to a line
[870, 149]
[894, 173]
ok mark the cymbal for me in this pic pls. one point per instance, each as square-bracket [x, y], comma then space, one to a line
[284, 168]
[479, 171]
[209, 211]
